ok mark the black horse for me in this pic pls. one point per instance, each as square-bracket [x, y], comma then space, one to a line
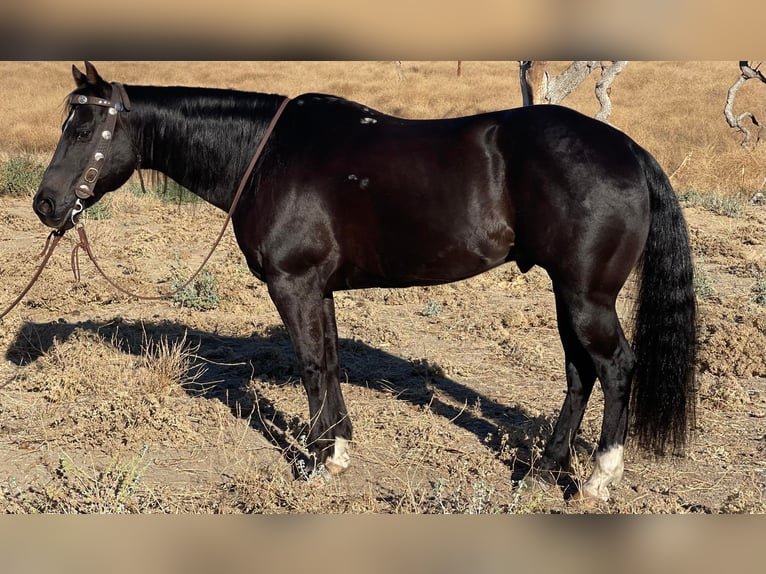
[346, 197]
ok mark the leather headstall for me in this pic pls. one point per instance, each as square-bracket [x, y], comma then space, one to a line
[119, 102]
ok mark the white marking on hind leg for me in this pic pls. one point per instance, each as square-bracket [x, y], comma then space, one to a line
[608, 470]
[340, 459]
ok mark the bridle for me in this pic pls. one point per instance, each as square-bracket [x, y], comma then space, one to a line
[119, 102]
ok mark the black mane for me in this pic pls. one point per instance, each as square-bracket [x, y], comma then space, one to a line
[216, 125]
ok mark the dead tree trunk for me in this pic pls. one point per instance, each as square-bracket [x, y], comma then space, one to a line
[604, 88]
[534, 82]
[399, 70]
[747, 72]
[538, 87]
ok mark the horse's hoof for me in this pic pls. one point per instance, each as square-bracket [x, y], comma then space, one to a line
[586, 500]
[335, 469]
[340, 459]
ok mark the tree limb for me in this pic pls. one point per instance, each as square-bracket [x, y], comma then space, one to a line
[559, 87]
[604, 88]
[538, 87]
[747, 72]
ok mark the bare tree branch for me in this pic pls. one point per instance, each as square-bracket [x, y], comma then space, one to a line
[604, 88]
[538, 87]
[559, 87]
[747, 72]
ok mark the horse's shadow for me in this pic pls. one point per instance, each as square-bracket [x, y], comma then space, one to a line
[223, 367]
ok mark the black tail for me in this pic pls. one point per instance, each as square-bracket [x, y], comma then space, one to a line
[665, 332]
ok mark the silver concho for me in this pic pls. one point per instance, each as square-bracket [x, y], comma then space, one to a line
[82, 100]
[112, 111]
[91, 175]
[106, 134]
[99, 156]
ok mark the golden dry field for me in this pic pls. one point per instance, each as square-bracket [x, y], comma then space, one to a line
[108, 404]
[674, 109]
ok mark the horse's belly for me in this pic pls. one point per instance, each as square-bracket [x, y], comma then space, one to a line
[421, 259]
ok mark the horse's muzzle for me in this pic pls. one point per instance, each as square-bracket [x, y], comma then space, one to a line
[46, 209]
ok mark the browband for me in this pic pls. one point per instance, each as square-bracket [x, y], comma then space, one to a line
[122, 101]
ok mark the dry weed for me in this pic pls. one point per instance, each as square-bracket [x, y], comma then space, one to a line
[167, 367]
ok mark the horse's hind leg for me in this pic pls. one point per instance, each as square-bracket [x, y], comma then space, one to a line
[310, 320]
[581, 376]
[594, 323]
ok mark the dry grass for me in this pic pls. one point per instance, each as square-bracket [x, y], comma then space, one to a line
[122, 406]
[674, 109]
[111, 405]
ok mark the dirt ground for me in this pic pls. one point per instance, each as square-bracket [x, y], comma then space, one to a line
[109, 404]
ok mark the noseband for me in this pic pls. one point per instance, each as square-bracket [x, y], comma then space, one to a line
[119, 102]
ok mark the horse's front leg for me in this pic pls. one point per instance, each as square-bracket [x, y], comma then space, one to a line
[341, 428]
[309, 317]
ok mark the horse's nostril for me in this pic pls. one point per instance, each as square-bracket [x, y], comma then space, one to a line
[44, 206]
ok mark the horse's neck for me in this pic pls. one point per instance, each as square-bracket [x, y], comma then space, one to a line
[206, 151]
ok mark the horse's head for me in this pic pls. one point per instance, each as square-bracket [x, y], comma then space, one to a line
[94, 155]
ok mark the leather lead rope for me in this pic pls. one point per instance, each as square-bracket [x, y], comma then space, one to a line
[50, 244]
[85, 244]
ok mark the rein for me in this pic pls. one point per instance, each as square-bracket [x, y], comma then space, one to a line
[85, 244]
[87, 182]
[50, 244]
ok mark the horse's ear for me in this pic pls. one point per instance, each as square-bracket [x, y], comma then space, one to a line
[79, 77]
[93, 77]
[90, 77]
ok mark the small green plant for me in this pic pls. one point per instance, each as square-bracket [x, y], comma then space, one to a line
[174, 192]
[20, 175]
[703, 285]
[201, 294]
[432, 309]
[758, 290]
[168, 190]
[727, 205]
[527, 500]
[75, 489]
[459, 500]
[99, 211]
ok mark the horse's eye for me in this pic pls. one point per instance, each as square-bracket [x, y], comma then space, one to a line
[83, 135]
